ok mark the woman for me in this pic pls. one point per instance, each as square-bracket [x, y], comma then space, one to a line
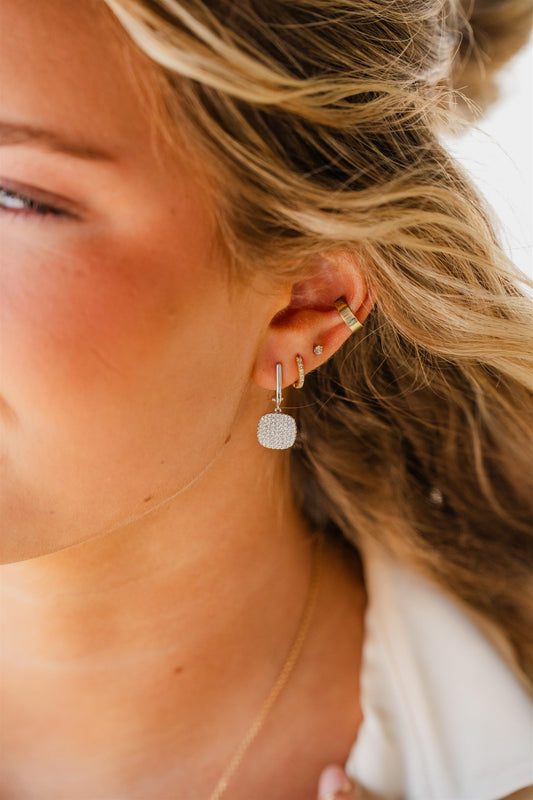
[192, 194]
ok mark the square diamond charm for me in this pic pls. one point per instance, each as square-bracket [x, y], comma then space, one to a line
[277, 431]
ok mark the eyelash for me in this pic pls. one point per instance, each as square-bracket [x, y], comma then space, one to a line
[32, 207]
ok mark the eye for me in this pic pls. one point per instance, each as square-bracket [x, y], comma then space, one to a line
[13, 202]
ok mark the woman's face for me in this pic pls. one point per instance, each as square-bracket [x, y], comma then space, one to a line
[123, 354]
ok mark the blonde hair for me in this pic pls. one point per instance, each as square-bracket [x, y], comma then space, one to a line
[319, 121]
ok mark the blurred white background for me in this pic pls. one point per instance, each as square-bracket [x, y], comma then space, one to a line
[498, 153]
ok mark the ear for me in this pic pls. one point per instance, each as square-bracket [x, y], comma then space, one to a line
[311, 318]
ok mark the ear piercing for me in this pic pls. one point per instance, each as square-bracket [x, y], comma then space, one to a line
[277, 431]
[347, 314]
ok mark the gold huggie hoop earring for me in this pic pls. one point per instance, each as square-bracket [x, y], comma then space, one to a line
[347, 314]
[277, 431]
[301, 373]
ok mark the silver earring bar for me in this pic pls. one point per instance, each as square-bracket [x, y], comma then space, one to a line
[279, 395]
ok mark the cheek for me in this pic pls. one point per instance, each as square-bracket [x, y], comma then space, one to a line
[118, 353]
[96, 316]
[70, 320]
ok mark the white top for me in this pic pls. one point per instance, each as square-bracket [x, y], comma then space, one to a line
[444, 716]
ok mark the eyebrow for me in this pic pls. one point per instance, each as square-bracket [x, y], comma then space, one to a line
[17, 133]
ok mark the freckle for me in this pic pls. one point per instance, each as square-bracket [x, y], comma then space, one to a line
[177, 670]
[147, 498]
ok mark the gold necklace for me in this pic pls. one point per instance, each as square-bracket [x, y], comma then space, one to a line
[283, 674]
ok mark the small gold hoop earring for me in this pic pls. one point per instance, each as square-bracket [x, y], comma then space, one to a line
[301, 373]
[347, 314]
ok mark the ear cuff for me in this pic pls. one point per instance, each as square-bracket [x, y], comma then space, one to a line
[347, 314]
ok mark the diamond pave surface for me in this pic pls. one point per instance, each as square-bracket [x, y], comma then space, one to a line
[276, 431]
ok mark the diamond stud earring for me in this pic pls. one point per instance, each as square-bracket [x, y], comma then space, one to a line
[277, 431]
[318, 349]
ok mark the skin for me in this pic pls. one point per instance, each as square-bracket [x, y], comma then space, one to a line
[141, 634]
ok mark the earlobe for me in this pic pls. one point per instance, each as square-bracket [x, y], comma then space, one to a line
[325, 308]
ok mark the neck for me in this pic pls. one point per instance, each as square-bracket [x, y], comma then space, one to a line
[186, 599]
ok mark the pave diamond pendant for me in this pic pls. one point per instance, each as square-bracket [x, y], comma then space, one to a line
[277, 431]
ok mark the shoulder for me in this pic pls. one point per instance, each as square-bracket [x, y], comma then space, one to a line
[444, 717]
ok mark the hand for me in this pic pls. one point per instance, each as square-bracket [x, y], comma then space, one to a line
[334, 784]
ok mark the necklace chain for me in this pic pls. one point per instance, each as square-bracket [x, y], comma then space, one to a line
[283, 675]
